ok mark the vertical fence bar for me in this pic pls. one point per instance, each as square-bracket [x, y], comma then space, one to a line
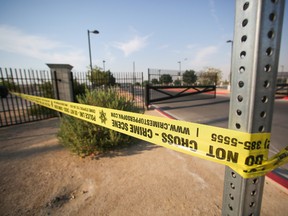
[147, 95]
[9, 105]
[28, 91]
[56, 85]
[21, 89]
[257, 35]
[19, 102]
[16, 89]
[33, 90]
[3, 116]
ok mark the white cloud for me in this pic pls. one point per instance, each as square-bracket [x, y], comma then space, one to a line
[13, 40]
[133, 45]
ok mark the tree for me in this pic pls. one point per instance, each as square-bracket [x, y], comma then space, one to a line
[111, 78]
[177, 82]
[210, 76]
[145, 82]
[99, 78]
[166, 79]
[154, 81]
[189, 77]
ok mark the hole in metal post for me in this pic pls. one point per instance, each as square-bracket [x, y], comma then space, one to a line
[232, 185]
[241, 84]
[245, 6]
[266, 84]
[243, 38]
[242, 54]
[253, 193]
[271, 34]
[263, 114]
[272, 17]
[239, 98]
[264, 99]
[261, 128]
[242, 69]
[239, 112]
[252, 204]
[255, 181]
[267, 68]
[233, 174]
[231, 197]
[238, 126]
[244, 22]
[230, 207]
[269, 51]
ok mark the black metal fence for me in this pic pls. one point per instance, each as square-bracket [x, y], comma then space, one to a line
[171, 84]
[129, 85]
[14, 110]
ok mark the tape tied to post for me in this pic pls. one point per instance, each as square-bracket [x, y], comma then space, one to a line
[246, 153]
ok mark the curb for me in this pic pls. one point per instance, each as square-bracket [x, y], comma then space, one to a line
[278, 179]
[271, 175]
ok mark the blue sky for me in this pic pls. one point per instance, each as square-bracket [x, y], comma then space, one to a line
[151, 33]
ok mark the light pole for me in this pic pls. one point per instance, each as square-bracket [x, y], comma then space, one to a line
[230, 74]
[179, 62]
[88, 32]
[104, 65]
[179, 74]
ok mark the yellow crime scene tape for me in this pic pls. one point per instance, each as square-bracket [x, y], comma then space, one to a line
[245, 153]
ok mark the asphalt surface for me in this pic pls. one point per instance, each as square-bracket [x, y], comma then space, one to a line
[215, 111]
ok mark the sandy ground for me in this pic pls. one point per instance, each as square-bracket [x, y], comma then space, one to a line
[40, 177]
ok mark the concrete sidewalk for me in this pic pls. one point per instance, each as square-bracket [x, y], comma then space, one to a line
[142, 179]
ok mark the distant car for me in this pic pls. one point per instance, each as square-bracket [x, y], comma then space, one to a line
[3, 91]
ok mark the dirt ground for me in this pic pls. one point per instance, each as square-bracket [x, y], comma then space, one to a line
[40, 177]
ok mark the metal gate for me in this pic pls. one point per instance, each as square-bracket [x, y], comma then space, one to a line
[14, 110]
[170, 84]
[282, 84]
[128, 85]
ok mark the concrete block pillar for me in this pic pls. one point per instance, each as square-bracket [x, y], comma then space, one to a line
[62, 81]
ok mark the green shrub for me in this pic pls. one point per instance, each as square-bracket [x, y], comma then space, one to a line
[84, 138]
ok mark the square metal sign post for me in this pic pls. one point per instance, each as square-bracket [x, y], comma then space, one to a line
[256, 46]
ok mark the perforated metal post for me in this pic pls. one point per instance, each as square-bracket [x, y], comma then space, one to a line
[257, 35]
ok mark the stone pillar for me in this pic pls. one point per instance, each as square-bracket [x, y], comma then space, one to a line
[62, 81]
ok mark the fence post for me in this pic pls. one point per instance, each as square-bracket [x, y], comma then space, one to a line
[62, 81]
[147, 95]
[257, 35]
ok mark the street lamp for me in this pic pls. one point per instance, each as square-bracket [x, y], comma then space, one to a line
[179, 73]
[88, 32]
[104, 65]
[179, 62]
[230, 41]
